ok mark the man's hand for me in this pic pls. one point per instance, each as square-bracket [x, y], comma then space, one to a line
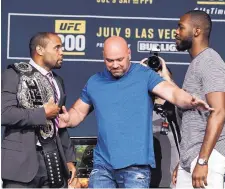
[72, 170]
[143, 62]
[51, 109]
[164, 73]
[64, 118]
[199, 176]
[75, 184]
[174, 176]
[200, 104]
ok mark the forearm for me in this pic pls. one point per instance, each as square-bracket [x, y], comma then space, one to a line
[75, 117]
[214, 128]
[20, 117]
[173, 94]
[185, 102]
[23, 117]
[12, 114]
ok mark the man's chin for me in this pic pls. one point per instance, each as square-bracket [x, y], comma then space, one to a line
[58, 66]
[180, 48]
[117, 75]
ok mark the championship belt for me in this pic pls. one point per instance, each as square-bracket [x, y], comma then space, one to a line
[35, 90]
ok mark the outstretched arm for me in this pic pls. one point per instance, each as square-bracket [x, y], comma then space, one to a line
[75, 115]
[179, 97]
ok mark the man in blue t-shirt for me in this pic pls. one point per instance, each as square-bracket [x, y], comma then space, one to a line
[123, 108]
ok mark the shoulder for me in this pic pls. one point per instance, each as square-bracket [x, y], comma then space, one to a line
[211, 58]
[10, 78]
[21, 67]
[96, 77]
[141, 69]
[213, 54]
[10, 72]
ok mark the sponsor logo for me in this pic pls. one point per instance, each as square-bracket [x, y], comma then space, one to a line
[212, 10]
[164, 46]
[72, 34]
[211, 7]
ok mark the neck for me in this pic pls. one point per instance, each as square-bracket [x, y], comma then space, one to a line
[198, 47]
[40, 62]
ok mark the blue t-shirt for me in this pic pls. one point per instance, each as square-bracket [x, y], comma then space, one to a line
[123, 110]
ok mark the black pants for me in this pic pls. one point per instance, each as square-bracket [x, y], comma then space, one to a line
[39, 181]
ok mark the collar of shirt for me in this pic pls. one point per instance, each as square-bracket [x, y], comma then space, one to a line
[39, 68]
[44, 72]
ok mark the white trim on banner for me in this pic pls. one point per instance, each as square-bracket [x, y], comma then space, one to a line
[92, 16]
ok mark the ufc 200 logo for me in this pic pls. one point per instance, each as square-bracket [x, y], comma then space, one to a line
[70, 26]
[72, 35]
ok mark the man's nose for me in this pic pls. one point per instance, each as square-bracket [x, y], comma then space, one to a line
[177, 32]
[60, 51]
[115, 64]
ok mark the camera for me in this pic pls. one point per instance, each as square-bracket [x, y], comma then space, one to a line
[153, 61]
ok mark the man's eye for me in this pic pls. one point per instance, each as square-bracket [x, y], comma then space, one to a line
[120, 60]
[57, 48]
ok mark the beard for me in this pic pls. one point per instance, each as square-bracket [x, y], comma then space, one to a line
[184, 44]
[58, 65]
[117, 75]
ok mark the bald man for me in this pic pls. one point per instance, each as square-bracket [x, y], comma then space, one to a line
[202, 146]
[123, 108]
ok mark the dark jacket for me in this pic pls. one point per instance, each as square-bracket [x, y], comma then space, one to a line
[19, 156]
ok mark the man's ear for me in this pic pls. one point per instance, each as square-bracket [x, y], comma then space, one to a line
[129, 54]
[39, 50]
[197, 32]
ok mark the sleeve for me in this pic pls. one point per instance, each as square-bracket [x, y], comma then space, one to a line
[153, 80]
[213, 76]
[85, 96]
[12, 114]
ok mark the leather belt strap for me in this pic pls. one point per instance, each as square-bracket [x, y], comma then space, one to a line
[53, 164]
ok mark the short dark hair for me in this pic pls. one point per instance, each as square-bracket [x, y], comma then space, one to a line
[40, 38]
[201, 19]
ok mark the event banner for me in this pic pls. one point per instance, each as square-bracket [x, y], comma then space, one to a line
[84, 25]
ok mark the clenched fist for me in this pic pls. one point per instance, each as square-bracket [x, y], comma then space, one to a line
[51, 109]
